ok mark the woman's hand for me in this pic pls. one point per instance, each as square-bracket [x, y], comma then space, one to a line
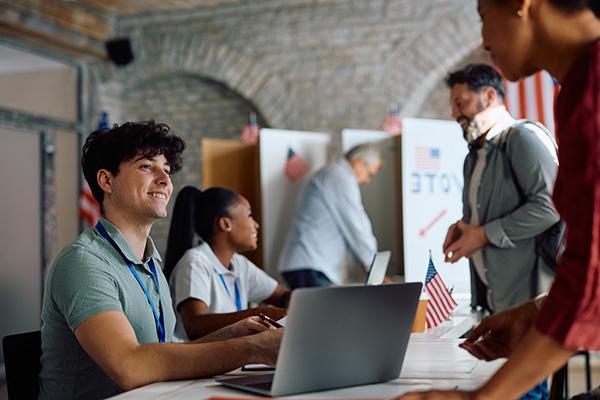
[500, 333]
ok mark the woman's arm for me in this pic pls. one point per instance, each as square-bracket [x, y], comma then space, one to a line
[279, 298]
[198, 322]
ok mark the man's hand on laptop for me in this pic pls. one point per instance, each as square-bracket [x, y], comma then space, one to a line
[266, 346]
[244, 327]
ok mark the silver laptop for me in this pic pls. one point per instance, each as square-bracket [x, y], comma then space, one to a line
[378, 268]
[338, 337]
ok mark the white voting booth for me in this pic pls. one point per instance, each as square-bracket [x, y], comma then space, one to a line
[433, 152]
[411, 202]
[279, 194]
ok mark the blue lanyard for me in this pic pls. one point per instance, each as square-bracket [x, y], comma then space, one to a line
[238, 300]
[158, 318]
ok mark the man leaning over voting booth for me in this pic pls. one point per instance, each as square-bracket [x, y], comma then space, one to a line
[331, 221]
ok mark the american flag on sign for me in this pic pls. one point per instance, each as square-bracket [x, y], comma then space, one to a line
[427, 158]
[392, 122]
[89, 209]
[295, 166]
[251, 130]
[533, 98]
[440, 303]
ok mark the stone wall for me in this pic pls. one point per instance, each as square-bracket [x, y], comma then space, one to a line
[316, 65]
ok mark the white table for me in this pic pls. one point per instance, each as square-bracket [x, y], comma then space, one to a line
[429, 363]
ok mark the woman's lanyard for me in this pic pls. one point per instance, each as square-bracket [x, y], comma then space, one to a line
[158, 318]
[238, 300]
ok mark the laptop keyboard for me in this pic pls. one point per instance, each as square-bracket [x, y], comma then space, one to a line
[261, 385]
[259, 382]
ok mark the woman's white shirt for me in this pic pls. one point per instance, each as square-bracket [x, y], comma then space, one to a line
[200, 275]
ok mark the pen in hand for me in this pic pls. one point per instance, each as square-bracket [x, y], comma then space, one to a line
[270, 321]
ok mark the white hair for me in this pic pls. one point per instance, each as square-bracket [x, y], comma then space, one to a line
[368, 152]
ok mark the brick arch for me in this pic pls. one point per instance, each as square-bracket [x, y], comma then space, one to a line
[436, 51]
[166, 53]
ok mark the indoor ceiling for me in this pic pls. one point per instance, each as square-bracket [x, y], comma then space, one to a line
[126, 7]
[77, 29]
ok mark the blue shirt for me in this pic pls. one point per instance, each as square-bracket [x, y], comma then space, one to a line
[330, 222]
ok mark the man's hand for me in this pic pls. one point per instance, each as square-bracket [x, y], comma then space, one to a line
[470, 238]
[499, 334]
[452, 236]
[274, 312]
[244, 327]
[439, 395]
[266, 345]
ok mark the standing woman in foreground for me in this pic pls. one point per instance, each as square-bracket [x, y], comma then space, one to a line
[211, 283]
[562, 37]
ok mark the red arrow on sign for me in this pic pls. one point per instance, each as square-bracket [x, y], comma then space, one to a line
[437, 219]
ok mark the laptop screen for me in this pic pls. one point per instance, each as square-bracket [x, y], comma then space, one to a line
[357, 347]
[378, 268]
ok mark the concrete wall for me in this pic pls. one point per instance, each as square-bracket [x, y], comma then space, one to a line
[48, 92]
[40, 94]
[20, 245]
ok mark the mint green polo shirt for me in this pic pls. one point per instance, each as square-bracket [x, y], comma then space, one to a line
[90, 277]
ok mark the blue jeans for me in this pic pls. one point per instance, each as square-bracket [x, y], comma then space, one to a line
[540, 392]
[306, 278]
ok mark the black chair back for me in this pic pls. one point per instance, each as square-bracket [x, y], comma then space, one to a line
[22, 353]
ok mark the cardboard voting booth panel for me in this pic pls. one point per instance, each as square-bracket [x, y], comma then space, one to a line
[287, 160]
[433, 152]
[382, 197]
[234, 165]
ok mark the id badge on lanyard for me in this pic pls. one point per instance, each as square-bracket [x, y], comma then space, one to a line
[158, 316]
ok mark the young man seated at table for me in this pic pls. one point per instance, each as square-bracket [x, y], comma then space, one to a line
[107, 319]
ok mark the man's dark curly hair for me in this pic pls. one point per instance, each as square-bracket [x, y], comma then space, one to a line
[477, 77]
[108, 148]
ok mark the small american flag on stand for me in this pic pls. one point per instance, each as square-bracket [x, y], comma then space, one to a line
[392, 122]
[250, 132]
[440, 303]
[295, 166]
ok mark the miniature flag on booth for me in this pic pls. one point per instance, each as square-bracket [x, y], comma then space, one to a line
[89, 209]
[392, 122]
[295, 166]
[250, 132]
[441, 302]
